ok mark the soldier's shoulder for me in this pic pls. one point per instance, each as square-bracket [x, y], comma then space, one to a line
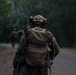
[49, 32]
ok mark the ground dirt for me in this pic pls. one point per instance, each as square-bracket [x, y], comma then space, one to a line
[64, 63]
[6, 59]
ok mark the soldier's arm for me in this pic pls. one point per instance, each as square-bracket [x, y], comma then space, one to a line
[20, 52]
[54, 47]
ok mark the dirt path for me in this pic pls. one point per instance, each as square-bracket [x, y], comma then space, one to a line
[64, 63]
[6, 58]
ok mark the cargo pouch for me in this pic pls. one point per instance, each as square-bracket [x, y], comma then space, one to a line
[36, 55]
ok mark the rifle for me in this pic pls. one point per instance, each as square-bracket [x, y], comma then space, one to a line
[26, 29]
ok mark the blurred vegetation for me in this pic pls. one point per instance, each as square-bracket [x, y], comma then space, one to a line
[61, 15]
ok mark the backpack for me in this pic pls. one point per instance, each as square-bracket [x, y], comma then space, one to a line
[36, 52]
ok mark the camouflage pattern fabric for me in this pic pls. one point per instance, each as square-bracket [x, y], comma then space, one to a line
[20, 33]
[30, 70]
[39, 18]
[13, 37]
[19, 59]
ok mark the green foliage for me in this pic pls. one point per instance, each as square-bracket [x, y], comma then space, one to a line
[61, 15]
[5, 7]
[5, 11]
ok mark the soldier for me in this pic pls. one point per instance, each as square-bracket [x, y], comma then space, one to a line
[21, 32]
[36, 50]
[13, 37]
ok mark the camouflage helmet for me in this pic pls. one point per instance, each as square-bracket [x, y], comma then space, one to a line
[38, 19]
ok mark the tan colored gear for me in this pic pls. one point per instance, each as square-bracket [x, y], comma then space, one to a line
[38, 18]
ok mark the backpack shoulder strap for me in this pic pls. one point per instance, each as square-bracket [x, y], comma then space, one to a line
[43, 30]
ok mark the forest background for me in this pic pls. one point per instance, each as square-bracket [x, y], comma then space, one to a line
[61, 15]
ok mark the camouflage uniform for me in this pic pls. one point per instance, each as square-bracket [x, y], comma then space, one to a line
[19, 60]
[20, 33]
[13, 36]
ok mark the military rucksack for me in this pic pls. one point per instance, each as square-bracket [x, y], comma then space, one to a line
[36, 52]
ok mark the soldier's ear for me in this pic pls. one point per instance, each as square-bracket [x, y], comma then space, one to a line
[31, 19]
